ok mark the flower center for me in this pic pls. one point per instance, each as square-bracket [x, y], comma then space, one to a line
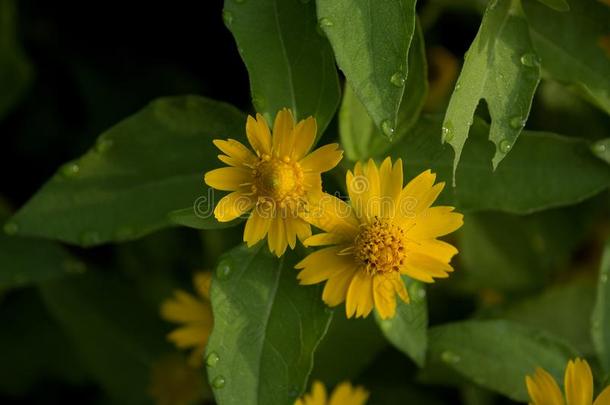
[379, 247]
[278, 179]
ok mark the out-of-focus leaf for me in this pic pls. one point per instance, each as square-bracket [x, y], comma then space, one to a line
[502, 68]
[289, 63]
[15, 69]
[117, 337]
[498, 354]
[571, 46]
[335, 360]
[408, 329]
[600, 330]
[559, 5]
[371, 45]
[191, 218]
[544, 170]
[139, 171]
[601, 149]
[359, 135]
[563, 311]
[266, 328]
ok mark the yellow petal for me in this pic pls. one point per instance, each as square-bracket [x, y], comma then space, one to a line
[360, 295]
[424, 268]
[332, 215]
[578, 383]
[318, 393]
[322, 239]
[258, 134]
[277, 236]
[257, 227]
[239, 153]
[303, 229]
[542, 389]
[203, 281]
[184, 308]
[336, 287]
[232, 206]
[437, 249]
[391, 186]
[372, 199]
[283, 136]
[603, 398]
[190, 336]
[291, 231]
[357, 187]
[323, 264]
[384, 296]
[304, 137]
[435, 222]
[345, 394]
[322, 159]
[227, 178]
[399, 287]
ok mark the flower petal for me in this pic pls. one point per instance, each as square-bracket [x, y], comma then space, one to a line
[325, 238]
[283, 136]
[190, 336]
[304, 137]
[384, 296]
[360, 295]
[603, 398]
[323, 264]
[184, 308]
[322, 159]
[336, 287]
[542, 389]
[345, 394]
[372, 199]
[227, 178]
[258, 134]
[578, 383]
[235, 150]
[277, 236]
[257, 227]
[437, 249]
[332, 215]
[424, 268]
[232, 206]
[435, 222]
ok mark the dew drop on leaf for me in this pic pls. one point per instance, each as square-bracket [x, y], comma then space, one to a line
[387, 128]
[604, 278]
[212, 359]
[223, 271]
[11, 228]
[325, 22]
[447, 132]
[517, 122]
[227, 17]
[505, 146]
[218, 382]
[530, 60]
[599, 148]
[103, 145]
[398, 79]
[70, 169]
[450, 357]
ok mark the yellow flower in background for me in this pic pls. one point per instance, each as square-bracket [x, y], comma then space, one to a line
[578, 386]
[344, 394]
[174, 382]
[442, 73]
[276, 182]
[194, 314]
[386, 231]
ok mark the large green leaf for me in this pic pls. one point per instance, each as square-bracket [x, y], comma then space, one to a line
[140, 170]
[266, 328]
[15, 69]
[559, 5]
[501, 68]
[371, 44]
[360, 137]
[117, 337]
[601, 149]
[601, 314]
[544, 170]
[289, 63]
[569, 45]
[497, 354]
[408, 329]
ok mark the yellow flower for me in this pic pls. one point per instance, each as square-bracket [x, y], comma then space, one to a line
[276, 183]
[195, 316]
[578, 386]
[344, 394]
[174, 382]
[442, 72]
[384, 232]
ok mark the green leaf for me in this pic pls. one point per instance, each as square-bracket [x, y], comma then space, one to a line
[562, 310]
[15, 70]
[192, 218]
[407, 330]
[140, 170]
[359, 135]
[266, 328]
[371, 45]
[502, 68]
[601, 314]
[498, 354]
[289, 63]
[117, 337]
[570, 46]
[559, 5]
[601, 149]
[543, 171]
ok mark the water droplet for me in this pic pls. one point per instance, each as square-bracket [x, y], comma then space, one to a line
[447, 132]
[223, 271]
[398, 79]
[74, 266]
[103, 145]
[218, 382]
[259, 103]
[294, 391]
[458, 86]
[70, 169]
[517, 122]
[604, 278]
[11, 228]
[387, 128]
[530, 60]
[450, 357]
[212, 359]
[505, 146]
[421, 293]
[90, 238]
[325, 22]
[227, 17]
[600, 148]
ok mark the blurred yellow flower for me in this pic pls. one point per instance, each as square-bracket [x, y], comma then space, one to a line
[442, 72]
[276, 183]
[384, 232]
[194, 314]
[578, 386]
[344, 394]
[174, 382]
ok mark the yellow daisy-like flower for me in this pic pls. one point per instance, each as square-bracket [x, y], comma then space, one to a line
[384, 232]
[578, 386]
[174, 382]
[344, 394]
[443, 70]
[276, 182]
[195, 316]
